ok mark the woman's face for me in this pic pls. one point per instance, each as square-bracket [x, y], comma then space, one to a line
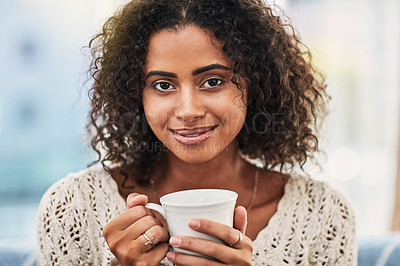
[189, 101]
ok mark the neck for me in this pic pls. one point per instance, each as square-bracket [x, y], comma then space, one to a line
[224, 171]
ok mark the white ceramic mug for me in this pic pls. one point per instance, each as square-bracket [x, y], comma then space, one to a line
[179, 207]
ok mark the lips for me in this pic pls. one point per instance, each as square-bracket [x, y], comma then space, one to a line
[193, 136]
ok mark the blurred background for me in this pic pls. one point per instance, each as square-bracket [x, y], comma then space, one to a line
[44, 103]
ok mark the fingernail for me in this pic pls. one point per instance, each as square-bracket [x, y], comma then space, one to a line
[194, 224]
[171, 256]
[130, 199]
[175, 241]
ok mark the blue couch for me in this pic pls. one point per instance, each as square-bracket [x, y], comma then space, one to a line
[379, 251]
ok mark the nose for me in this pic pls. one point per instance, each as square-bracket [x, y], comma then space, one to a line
[189, 106]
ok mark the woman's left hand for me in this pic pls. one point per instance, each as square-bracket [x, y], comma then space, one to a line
[236, 252]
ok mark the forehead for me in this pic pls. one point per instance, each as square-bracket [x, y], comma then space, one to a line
[186, 45]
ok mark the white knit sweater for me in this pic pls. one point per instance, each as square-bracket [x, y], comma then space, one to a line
[314, 225]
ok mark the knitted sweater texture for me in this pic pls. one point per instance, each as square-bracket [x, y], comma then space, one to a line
[314, 224]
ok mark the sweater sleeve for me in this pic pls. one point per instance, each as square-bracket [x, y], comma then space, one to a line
[335, 243]
[60, 226]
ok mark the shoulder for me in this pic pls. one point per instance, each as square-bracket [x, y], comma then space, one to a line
[78, 185]
[85, 189]
[313, 222]
[319, 206]
[72, 213]
[319, 196]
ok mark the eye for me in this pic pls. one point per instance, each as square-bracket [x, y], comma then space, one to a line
[163, 86]
[213, 82]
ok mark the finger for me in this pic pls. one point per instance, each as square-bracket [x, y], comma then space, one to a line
[139, 227]
[222, 253]
[130, 233]
[152, 237]
[122, 241]
[224, 232]
[238, 241]
[131, 255]
[124, 220]
[135, 199]
[157, 254]
[131, 239]
[185, 259]
[199, 245]
[240, 219]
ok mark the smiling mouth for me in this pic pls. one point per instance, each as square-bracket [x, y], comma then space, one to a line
[193, 136]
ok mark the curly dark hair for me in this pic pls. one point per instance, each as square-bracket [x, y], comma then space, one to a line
[286, 95]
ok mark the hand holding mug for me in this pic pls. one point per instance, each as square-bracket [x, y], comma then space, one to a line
[238, 250]
[200, 225]
[136, 236]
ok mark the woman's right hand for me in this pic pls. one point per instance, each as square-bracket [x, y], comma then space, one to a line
[124, 234]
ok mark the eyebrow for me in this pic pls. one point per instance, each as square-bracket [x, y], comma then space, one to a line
[209, 67]
[160, 73]
[195, 72]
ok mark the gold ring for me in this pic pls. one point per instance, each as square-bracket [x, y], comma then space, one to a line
[149, 240]
[239, 240]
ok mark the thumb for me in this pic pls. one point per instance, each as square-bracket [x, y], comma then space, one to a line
[240, 219]
[135, 199]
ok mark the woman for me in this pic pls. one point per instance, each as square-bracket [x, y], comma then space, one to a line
[199, 94]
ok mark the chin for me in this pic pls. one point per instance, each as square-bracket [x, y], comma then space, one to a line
[200, 153]
[194, 158]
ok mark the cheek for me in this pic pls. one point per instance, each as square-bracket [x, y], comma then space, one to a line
[156, 111]
[239, 118]
[239, 108]
[155, 117]
[150, 110]
[233, 118]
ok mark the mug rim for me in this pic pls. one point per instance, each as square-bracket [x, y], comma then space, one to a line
[233, 196]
